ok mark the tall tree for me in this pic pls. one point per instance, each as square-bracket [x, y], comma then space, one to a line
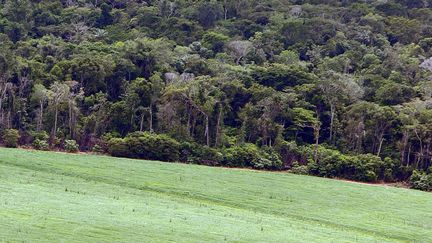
[41, 96]
[58, 94]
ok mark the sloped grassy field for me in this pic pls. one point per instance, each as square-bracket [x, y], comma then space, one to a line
[47, 196]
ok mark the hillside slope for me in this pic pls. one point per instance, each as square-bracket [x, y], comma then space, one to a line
[49, 196]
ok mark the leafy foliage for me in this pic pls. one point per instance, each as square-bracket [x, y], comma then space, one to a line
[40, 144]
[10, 138]
[145, 146]
[71, 146]
[421, 180]
[226, 80]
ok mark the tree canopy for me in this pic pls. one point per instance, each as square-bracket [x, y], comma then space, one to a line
[352, 77]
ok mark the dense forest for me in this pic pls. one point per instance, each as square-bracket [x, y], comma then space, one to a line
[322, 87]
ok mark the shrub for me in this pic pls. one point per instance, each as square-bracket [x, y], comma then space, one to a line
[262, 163]
[390, 168]
[268, 158]
[288, 152]
[109, 135]
[10, 138]
[98, 149]
[187, 151]
[42, 135]
[71, 146]
[370, 167]
[144, 145]
[330, 163]
[299, 169]
[363, 167]
[40, 140]
[241, 156]
[421, 180]
[403, 172]
[249, 155]
[40, 144]
[55, 141]
[118, 147]
[198, 154]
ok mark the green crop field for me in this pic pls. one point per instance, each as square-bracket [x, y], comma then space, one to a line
[57, 197]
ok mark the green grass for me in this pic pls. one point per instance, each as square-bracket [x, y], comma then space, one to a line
[47, 196]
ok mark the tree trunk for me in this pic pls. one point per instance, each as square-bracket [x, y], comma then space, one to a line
[1, 111]
[151, 119]
[2, 97]
[70, 120]
[332, 115]
[359, 134]
[142, 121]
[421, 147]
[207, 133]
[39, 125]
[316, 135]
[55, 121]
[193, 125]
[225, 10]
[188, 126]
[316, 127]
[380, 142]
[425, 164]
[408, 157]
[218, 127]
[132, 117]
[404, 145]
[9, 119]
[238, 60]
[380, 146]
